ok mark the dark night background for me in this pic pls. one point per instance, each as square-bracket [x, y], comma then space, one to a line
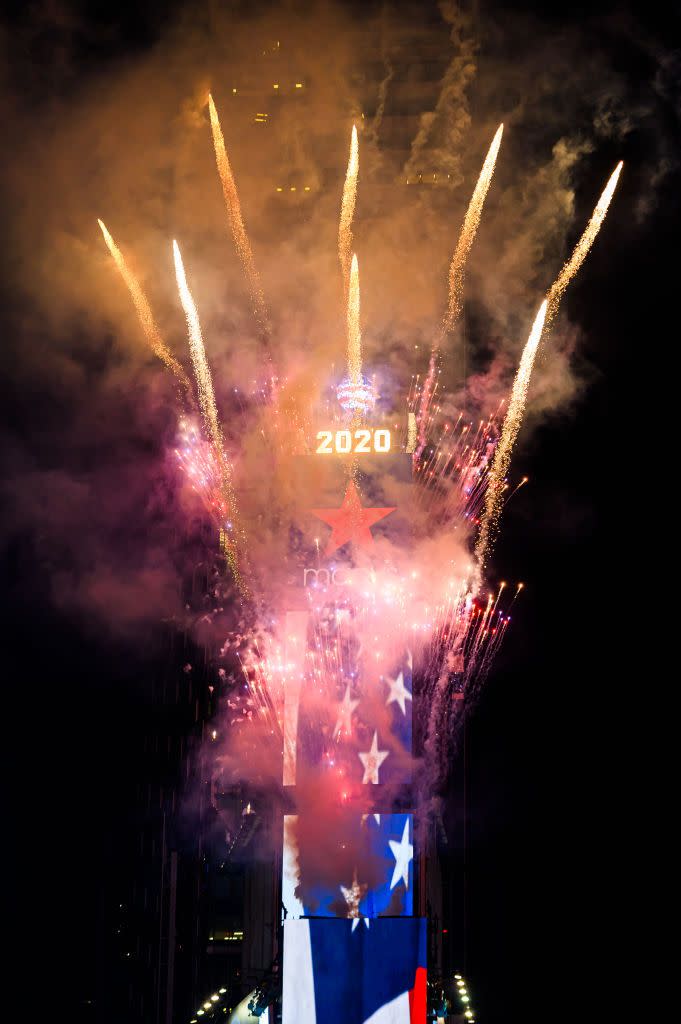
[548, 751]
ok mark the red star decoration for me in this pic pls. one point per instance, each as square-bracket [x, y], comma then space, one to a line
[350, 521]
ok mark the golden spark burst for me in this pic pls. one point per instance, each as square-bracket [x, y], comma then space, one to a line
[581, 250]
[143, 310]
[469, 229]
[457, 268]
[348, 210]
[353, 327]
[411, 433]
[236, 222]
[494, 495]
[206, 393]
[204, 381]
[354, 895]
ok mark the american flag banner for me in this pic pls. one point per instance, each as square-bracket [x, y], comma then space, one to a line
[342, 715]
[363, 872]
[348, 694]
[335, 973]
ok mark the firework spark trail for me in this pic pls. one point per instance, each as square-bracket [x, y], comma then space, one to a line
[468, 232]
[143, 310]
[410, 445]
[456, 274]
[581, 250]
[204, 385]
[348, 210]
[509, 432]
[204, 382]
[198, 460]
[353, 328]
[236, 222]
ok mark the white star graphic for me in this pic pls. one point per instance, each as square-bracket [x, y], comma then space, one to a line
[372, 761]
[356, 920]
[403, 852]
[345, 709]
[398, 692]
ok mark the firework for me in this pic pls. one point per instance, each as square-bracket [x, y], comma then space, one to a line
[453, 471]
[456, 274]
[411, 433]
[204, 386]
[581, 250]
[347, 210]
[468, 231]
[197, 459]
[425, 602]
[204, 381]
[509, 432]
[151, 332]
[236, 222]
[353, 328]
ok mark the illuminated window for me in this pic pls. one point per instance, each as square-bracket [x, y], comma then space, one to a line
[299, 85]
[276, 85]
[228, 936]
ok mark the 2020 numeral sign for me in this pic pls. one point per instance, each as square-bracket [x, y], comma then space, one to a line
[346, 442]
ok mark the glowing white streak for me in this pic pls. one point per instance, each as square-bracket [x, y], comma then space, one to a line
[197, 351]
[504, 449]
[143, 310]
[236, 221]
[581, 250]
[348, 210]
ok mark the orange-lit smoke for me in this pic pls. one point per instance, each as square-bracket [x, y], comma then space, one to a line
[151, 332]
[236, 222]
[348, 210]
[502, 456]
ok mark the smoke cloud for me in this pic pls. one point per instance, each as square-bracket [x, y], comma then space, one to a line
[122, 133]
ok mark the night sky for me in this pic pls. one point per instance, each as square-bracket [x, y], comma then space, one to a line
[550, 750]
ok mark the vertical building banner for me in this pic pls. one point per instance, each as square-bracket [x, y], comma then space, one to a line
[353, 952]
[335, 973]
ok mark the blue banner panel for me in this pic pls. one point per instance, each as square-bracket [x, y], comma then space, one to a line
[355, 972]
[366, 870]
